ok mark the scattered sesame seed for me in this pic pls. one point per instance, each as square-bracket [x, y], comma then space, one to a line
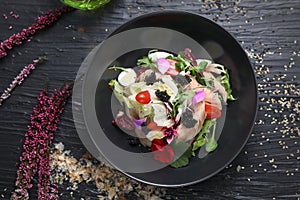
[4, 16]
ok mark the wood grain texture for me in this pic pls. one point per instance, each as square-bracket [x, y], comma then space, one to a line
[268, 29]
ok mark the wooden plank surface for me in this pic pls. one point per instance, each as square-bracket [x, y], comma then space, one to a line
[269, 30]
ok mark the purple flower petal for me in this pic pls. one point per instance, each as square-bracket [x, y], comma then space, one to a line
[163, 65]
[139, 122]
[170, 139]
[199, 96]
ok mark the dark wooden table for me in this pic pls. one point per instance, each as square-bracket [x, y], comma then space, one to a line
[269, 30]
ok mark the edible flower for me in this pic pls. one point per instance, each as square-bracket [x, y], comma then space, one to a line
[199, 96]
[163, 65]
[162, 152]
[170, 133]
[139, 123]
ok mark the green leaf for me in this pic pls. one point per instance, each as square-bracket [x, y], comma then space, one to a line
[180, 58]
[211, 143]
[180, 65]
[118, 68]
[145, 62]
[209, 82]
[198, 143]
[200, 139]
[202, 65]
[182, 160]
[112, 83]
[225, 82]
[199, 68]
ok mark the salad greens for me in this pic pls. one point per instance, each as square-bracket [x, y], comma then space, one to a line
[211, 143]
[201, 137]
[145, 62]
[225, 82]
[174, 101]
[183, 159]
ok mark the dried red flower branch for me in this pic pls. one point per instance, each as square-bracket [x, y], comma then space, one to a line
[36, 149]
[41, 22]
[29, 159]
[56, 105]
[19, 79]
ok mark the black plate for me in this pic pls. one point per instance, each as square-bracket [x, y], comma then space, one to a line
[171, 31]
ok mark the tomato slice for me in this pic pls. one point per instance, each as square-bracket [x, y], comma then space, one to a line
[143, 97]
[212, 112]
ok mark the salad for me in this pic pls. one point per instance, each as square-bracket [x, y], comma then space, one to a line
[172, 102]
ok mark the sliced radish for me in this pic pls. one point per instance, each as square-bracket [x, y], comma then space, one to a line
[163, 65]
[127, 77]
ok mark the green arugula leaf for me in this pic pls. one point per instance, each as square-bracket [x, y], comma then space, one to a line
[199, 68]
[145, 62]
[181, 160]
[181, 66]
[202, 65]
[180, 58]
[200, 139]
[211, 143]
[199, 142]
[225, 82]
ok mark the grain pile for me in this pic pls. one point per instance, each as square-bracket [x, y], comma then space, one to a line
[111, 184]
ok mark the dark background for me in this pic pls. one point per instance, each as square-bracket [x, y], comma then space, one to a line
[267, 167]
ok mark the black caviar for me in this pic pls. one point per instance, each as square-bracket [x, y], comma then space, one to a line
[162, 95]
